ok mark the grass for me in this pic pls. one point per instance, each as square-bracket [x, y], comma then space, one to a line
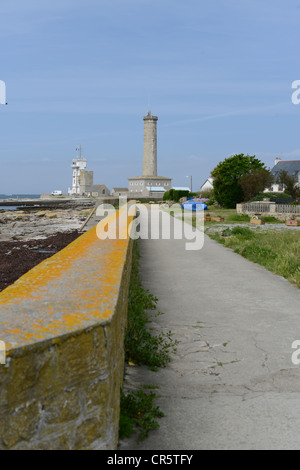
[231, 216]
[237, 218]
[273, 220]
[215, 210]
[278, 252]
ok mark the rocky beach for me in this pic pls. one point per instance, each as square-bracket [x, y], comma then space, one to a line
[23, 225]
[27, 237]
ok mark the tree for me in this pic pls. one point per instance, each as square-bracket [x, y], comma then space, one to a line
[255, 182]
[227, 174]
[289, 182]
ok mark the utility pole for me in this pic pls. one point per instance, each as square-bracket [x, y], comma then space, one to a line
[191, 182]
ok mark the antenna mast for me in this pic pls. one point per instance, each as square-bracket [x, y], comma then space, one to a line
[79, 150]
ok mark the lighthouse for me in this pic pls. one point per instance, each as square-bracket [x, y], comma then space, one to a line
[78, 166]
[150, 145]
[149, 184]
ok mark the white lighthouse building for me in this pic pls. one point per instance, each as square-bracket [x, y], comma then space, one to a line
[83, 180]
[78, 164]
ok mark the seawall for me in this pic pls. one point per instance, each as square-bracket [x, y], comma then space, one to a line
[63, 326]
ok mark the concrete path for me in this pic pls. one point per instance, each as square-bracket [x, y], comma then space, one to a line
[232, 383]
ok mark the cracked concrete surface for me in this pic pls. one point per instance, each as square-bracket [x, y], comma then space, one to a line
[232, 383]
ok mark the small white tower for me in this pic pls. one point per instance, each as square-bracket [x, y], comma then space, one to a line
[78, 164]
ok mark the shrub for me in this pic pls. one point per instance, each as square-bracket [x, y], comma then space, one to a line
[207, 194]
[226, 233]
[227, 174]
[269, 219]
[242, 231]
[255, 181]
[176, 194]
[258, 254]
[138, 411]
[168, 195]
[272, 196]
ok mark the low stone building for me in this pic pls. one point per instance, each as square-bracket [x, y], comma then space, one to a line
[149, 186]
[88, 188]
[119, 192]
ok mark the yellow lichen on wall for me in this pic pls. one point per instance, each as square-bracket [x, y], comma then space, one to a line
[63, 324]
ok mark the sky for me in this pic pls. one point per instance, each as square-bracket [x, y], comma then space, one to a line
[218, 74]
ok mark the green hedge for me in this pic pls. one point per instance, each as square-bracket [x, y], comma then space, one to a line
[176, 194]
[262, 196]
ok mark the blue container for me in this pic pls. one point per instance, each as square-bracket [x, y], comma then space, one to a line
[191, 205]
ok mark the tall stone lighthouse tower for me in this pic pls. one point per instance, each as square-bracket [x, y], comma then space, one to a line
[150, 145]
[150, 184]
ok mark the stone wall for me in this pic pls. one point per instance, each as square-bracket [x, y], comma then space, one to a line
[269, 209]
[86, 178]
[63, 327]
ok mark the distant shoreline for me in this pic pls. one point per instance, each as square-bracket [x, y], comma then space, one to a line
[15, 197]
[20, 196]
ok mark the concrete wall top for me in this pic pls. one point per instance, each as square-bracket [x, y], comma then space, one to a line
[76, 288]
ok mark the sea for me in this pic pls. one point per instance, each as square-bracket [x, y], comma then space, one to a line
[16, 196]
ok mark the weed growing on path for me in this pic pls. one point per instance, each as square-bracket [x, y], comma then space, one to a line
[142, 347]
[138, 412]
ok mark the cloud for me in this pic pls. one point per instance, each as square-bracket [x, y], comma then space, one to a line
[238, 112]
[288, 155]
[19, 17]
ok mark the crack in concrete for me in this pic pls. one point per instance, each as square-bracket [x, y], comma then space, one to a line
[266, 358]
